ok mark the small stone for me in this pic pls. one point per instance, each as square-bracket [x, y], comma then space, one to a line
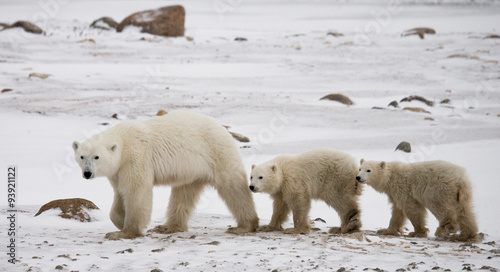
[115, 116]
[339, 98]
[404, 146]
[240, 39]
[6, 90]
[129, 250]
[445, 101]
[393, 104]
[39, 75]
[161, 112]
[108, 21]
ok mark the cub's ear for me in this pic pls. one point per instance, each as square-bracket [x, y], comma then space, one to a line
[253, 166]
[113, 147]
[382, 165]
[75, 145]
[273, 168]
[361, 161]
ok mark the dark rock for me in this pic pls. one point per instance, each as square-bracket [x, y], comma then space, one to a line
[27, 26]
[104, 20]
[393, 104]
[3, 26]
[161, 112]
[72, 208]
[404, 146]
[166, 21]
[239, 137]
[335, 34]
[6, 90]
[445, 101]
[492, 36]
[240, 39]
[415, 109]
[129, 250]
[418, 98]
[339, 98]
[420, 31]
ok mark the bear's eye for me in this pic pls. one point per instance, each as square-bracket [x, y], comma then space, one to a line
[82, 157]
[368, 170]
[96, 157]
[261, 177]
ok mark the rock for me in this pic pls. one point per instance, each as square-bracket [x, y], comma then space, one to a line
[156, 270]
[213, 243]
[240, 39]
[429, 119]
[404, 146]
[166, 21]
[101, 22]
[129, 250]
[420, 31]
[27, 26]
[161, 112]
[6, 90]
[418, 98]
[335, 34]
[445, 101]
[240, 137]
[492, 36]
[39, 75]
[3, 26]
[415, 109]
[393, 104]
[339, 98]
[115, 116]
[71, 208]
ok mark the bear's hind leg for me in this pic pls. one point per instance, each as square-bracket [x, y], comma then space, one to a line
[350, 215]
[182, 201]
[239, 201]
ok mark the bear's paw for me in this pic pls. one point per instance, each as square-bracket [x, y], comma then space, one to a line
[164, 229]
[117, 235]
[296, 231]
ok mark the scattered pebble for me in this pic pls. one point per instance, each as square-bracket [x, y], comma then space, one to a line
[404, 146]
[339, 98]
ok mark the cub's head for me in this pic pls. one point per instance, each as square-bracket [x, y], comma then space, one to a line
[371, 172]
[265, 178]
[97, 159]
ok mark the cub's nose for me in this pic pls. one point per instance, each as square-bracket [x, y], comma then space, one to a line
[251, 187]
[87, 174]
[358, 178]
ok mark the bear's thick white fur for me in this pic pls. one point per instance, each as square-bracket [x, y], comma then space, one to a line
[185, 150]
[294, 180]
[439, 186]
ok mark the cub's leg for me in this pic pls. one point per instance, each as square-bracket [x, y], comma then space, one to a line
[280, 214]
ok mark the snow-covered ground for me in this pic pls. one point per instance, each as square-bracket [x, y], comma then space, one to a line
[267, 88]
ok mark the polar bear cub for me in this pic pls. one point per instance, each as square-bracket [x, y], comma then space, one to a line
[185, 150]
[439, 186]
[294, 180]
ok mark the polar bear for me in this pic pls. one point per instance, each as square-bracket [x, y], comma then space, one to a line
[439, 186]
[294, 180]
[185, 150]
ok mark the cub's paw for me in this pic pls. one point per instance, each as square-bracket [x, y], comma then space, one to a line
[296, 231]
[117, 235]
[388, 232]
[267, 228]
[163, 229]
[239, 230]
[335, 230]
[417, 234]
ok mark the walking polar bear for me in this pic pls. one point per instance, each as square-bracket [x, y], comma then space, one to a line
[183, 149]
[439, 186]
[294, 180]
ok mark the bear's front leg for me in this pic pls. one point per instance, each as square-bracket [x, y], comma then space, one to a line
[280, 214]
[117, 214]
[135, 195]
[300, 206]
[396, 224]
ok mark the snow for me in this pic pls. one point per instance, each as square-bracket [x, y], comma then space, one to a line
[267, 88]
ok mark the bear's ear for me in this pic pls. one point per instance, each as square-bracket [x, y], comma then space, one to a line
[253, 166]
[75, 145]
[382, 165]
[361, 161]
[113, 147]
[273, 168]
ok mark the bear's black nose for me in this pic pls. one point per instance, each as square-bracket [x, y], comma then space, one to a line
[251, 187]
[358, 178]
[87, 174]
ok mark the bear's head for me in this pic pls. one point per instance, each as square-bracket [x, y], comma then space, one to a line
[265, 178]
[97, 159]
[372, 173]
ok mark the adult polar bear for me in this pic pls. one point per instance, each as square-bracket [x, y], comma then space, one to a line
[183, 149]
